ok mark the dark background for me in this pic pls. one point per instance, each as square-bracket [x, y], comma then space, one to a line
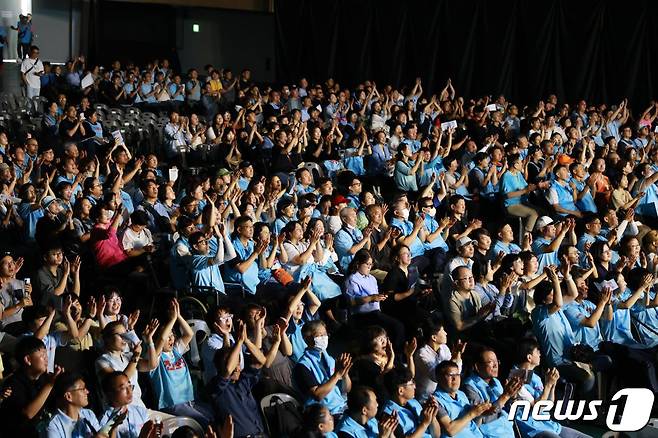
[597, 50]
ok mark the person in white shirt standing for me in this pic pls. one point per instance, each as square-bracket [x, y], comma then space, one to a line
[31, 71]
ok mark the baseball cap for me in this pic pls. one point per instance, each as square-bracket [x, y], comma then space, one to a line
[564, 159]
[464, 241]
[542, 222]
[47, 201]
[339, 199]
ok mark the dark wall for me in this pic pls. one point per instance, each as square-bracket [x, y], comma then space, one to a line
[135, 32]
[595, 49]
[234, 39]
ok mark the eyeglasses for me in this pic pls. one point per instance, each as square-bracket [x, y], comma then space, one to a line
[226, 318]
[84, 388]
[452, 375]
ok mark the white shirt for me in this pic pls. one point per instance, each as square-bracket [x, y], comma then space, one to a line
[119, 363]
[426, 360]
[133, 240]
[32, 74]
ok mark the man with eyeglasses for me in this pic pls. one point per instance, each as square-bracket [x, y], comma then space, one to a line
[456, 415]
[72, 419]
[204, 267]
[483, 386]
[415, 420]
[220, 321]
[465, 308]
[118, 392]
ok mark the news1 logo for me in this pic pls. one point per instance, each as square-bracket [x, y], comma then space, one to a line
[635, 405]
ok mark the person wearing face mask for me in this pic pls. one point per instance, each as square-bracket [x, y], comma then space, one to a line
[349, 240]
[318, 374]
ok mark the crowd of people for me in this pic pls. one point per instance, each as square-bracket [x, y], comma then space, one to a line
[400, 264]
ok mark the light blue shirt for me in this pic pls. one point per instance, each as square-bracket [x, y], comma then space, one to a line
[511, 183]
[132, 425]
[575, 313]
[360, 286]
[62, 426]
[554, 334]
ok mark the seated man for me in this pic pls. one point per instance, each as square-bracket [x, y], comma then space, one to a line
[562, 194]
[411, 234]
[72, 419]
[24, 410]
[465, 308]
[57, 276]
[549, 238]
[349, 240]
[483, 386]
[456, 415]
[535, 391]
[38, 321]
[244, 267]
[415, 420]
[360, 418]
[118, 391]
[205, 267]
[231, 390]
[317, 373]
[15, 295]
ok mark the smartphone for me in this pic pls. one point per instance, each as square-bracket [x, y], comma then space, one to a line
[524, 375]
[82, 116]
[27, 280]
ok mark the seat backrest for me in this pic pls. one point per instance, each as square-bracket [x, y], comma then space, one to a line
[268, 399]
[197, 325]
[170, 425]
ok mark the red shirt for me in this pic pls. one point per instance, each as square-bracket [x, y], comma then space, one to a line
[106, 246]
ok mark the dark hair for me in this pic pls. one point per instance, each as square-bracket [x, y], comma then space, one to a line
[358, 398]
[479, 269]
[369, 335]
[32, 313]
[185, 432]
[108, 331]
[361, 257]
[396, 377]
[313, 416]
[442, 367]
[309, 328]
[526, 347]
[108, 381]
[542, 290]
[64, 383]
[139, 217]
[26, 346]
[195, 237]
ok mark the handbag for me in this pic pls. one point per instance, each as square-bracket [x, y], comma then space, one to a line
[282, 276]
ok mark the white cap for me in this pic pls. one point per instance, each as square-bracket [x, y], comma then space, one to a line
[464, 241]
[542, 222]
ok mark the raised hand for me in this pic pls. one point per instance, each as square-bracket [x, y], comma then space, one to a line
[410, 347]
[132, 319]
[150, 329]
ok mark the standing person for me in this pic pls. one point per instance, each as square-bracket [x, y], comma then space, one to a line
[25, 35]
[31, 71]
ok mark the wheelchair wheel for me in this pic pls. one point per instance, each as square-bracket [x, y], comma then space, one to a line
[192, 308]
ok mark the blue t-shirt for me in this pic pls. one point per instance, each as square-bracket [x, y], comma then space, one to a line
[575, 313]
[171, 379]
[554, 334]
[511, 183]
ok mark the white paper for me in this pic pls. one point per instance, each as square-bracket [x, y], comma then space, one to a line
[118, 138]
[656, 129]
[87, 81]
[173, 174]
[238, 108]
[448, 125]
[612, 284]
[491, 107]
[319, 107]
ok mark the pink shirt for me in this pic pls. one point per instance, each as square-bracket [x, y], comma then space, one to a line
[106, 246]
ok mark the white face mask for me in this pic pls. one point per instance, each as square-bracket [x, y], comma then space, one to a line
[405, 214]
[432, 212]
[321, 342]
